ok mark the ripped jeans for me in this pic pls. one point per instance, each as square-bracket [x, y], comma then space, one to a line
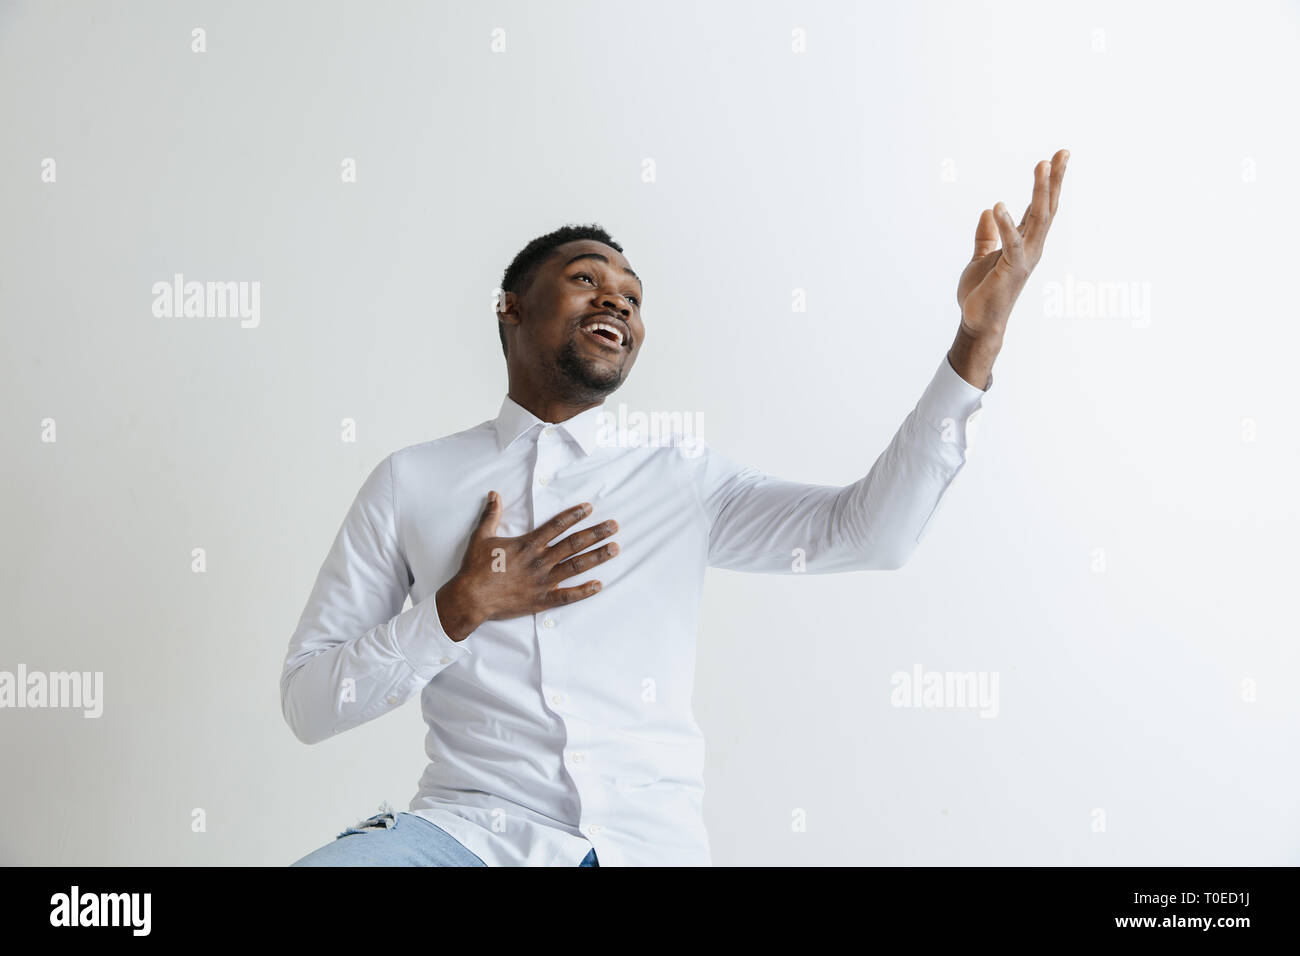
[398, 839]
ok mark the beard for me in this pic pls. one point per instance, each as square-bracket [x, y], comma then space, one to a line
[580, 377]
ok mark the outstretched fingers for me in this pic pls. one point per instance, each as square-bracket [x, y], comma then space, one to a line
[542, 535]
[1013, 244]
[1039, 214]
[986, 235]
[1059, 162]
[1048, 176]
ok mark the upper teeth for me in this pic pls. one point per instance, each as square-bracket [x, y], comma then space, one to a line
[618, 333]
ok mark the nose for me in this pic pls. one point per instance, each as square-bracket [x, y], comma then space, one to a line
[609, 300]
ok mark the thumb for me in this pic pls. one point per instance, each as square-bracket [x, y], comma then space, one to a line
[487, 524]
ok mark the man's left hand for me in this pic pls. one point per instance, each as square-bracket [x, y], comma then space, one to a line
[992, 280]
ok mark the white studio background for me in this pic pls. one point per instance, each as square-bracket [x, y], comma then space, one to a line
[1119, 549]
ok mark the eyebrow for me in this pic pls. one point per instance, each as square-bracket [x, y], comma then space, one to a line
[604, 259]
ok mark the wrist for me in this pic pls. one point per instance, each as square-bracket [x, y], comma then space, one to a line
[456, 610]
[986, 339]
[972, 354]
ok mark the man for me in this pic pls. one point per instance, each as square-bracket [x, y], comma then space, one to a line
[559, 702]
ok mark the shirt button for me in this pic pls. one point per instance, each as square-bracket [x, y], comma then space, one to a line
[549, 622]
[576, 757]
[548, 431]
[558, 699]
[445, 660]
[594, 829]
[392, 700]
[543, 480]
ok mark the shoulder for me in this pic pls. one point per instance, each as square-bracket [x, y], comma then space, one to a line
[445, 449]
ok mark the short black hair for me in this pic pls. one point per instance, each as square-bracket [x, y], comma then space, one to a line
[523, 270]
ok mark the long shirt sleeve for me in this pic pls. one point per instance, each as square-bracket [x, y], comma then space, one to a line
[769, 525]
[353, 656]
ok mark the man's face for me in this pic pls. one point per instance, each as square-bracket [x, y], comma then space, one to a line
[569, 324]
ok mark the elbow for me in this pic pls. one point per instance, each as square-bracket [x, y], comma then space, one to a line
[302, 729]
[877, 548]
[298, 728]
[303, 732]
[894, 551]
[900, 558]
[892, 559]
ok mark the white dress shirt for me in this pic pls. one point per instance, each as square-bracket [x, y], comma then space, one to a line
[572, 728]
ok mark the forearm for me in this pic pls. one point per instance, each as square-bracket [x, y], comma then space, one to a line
[761, 522]
[330, 685]
[886, 512]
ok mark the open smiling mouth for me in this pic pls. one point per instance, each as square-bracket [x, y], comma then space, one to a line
[605, 336]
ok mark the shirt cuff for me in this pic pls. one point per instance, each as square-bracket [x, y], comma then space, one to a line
[419, 639]
[949, 398]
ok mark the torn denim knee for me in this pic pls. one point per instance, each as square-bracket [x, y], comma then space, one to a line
[385, 819]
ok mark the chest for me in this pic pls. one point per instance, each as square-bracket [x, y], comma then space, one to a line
[662, 532]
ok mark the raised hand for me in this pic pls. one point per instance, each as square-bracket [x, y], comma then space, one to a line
[994, 277]
[992, 280]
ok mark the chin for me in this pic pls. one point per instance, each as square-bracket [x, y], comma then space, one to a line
[589, 374]
[603, 382]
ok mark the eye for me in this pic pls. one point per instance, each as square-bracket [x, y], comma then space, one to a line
[585, 275]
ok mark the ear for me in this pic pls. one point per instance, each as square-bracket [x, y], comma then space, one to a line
[508, 308]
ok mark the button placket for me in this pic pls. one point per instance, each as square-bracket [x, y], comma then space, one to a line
[547, 460]
[553, 454]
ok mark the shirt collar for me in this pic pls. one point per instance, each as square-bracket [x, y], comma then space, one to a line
[514, 420]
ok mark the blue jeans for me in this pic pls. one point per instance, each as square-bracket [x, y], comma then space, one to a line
[398, 839]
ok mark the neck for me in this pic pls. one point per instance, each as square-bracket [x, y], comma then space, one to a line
[549, 408]
[546, 404]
